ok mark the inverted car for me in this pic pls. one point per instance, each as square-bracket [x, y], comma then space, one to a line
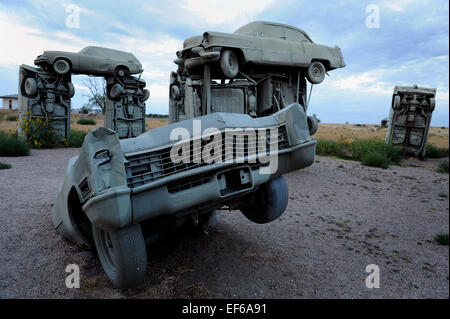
[92, 61]
[116, 190]
[260, 43]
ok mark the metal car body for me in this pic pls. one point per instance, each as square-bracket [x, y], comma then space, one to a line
[410, 118]
[92, 60]
[260, 43]
[116, 183]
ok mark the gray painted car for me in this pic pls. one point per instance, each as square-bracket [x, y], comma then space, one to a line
[410, 118]
[116, 190]
[91, 60]
[260, 43]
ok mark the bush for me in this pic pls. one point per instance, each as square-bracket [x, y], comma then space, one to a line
[84, 121]
[13, 146]
[12, 118]
[76, 138]
[435, 152]
[38, 132]
[329, 148]
[4, 165]
[443, 167]
[375, 159]
[442, 238]
[373, 152]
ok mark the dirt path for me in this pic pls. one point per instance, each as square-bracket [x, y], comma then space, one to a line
[341, 217]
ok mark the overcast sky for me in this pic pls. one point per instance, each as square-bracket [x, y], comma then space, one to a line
[410, 46]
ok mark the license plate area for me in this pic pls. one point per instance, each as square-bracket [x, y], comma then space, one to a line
[235, 181]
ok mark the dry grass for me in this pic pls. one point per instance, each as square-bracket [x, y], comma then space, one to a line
[438, 136]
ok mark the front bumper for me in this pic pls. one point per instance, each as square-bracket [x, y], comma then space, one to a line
[202, 57]
[122, 206]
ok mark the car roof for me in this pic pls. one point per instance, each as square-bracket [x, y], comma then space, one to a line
[255, 27]
[107, 52]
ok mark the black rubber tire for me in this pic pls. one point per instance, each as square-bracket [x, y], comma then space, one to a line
[270, 202]
[313, 125]
[122, 254]
[30, 87]
[71, 90]
[115, 91]
[316, 72]
[396, 102]
[229, 63]
[122, 71]
[61, 66]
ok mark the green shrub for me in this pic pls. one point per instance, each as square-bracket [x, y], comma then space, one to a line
[442, 238]
[329, 148]
[11, 118]
[4, 165]
[375, 159]
[374, 152]
[435, 152]
[13, 146]
[76, 138]
[84, 121]
[443, 167]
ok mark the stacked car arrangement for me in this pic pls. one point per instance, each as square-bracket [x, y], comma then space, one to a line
[45, 92]
[248, 89]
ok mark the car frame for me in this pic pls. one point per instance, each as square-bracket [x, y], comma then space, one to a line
[261, 43]
[91, 60]
[115, 186]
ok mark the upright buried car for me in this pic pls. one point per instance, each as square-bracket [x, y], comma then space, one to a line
[90, 60]
[260, 43]
[116, 192]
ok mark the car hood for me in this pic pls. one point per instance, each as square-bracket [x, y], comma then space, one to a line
[160, 137]
[199, 40]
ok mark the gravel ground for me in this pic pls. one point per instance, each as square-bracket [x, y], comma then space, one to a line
[341, 217]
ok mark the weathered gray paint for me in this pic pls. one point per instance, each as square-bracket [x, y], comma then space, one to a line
[110, 203]
[51, 100]
[126, 115]
[410, 118]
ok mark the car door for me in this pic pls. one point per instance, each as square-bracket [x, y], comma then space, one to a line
[92, 61]
[275, 47]
[297, 47]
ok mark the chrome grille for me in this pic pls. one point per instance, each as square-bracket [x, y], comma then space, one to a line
[148, 167]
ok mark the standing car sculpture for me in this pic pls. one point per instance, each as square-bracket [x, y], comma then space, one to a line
[410, 118]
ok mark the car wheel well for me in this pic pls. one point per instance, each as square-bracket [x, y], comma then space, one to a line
[239, 54]
[80, 221]
[124, 67]
[65, 59]
[325, 63]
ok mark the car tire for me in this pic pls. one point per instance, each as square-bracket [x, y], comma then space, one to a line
[396, 103]
[316, 72]
[61, 66]
[270, 202]
[432, 103]
[30, 87]
[229, 63]
[116, 91]
[71, 90]
[313, 125]
[122, 254]
[146, 95]
[175, 92]
[122, 71]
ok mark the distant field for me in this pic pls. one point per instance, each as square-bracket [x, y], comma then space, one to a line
[438, 136]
